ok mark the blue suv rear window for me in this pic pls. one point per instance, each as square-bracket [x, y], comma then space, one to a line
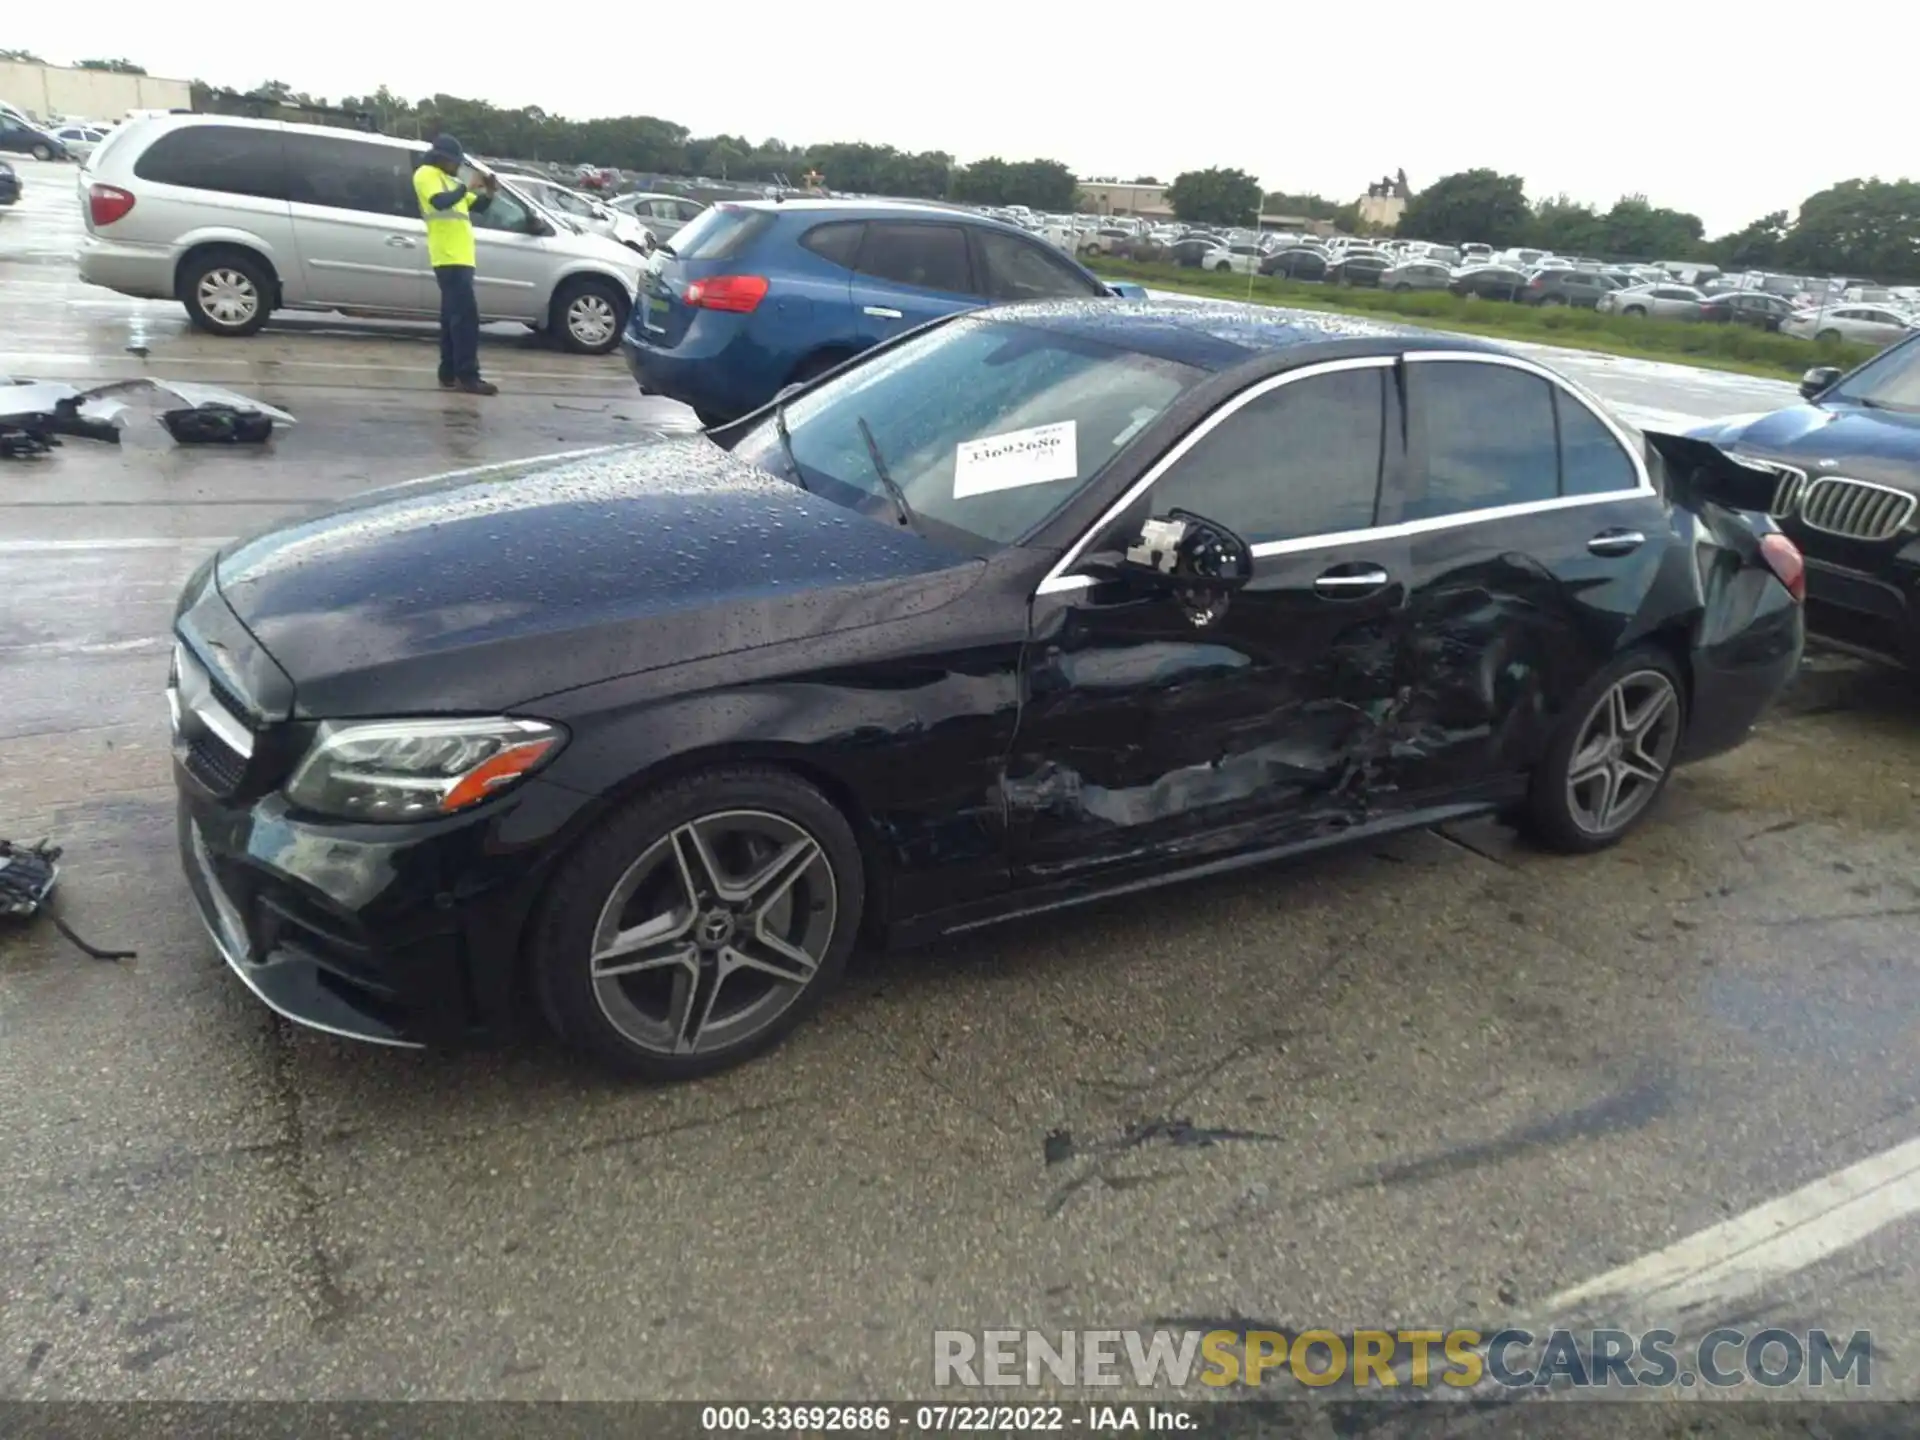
[837, 241]
[719, 232]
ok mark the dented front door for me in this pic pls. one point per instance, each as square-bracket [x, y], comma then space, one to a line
[1144, 736]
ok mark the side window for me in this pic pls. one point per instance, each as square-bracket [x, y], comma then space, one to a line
[505, 213]
[227, 159]
[1592, 461]
[1016, 269]
[1302, 460]
[930, 257]
[838, 241]
[350, 175]
[1488, 434]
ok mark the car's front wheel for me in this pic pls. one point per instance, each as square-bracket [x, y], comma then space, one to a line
[700, 924]
[1611, 757]
[1638, 312]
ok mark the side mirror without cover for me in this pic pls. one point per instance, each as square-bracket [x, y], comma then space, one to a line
[1201, 562]
[1818, 380]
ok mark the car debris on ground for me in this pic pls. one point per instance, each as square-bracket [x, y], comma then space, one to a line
[36, 414]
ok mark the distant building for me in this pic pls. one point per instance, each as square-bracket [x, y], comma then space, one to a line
[1103, 197]
[1386, 201]
[51, 92]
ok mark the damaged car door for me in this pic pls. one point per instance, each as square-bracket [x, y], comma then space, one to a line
[1534, 538]
[1163, 719]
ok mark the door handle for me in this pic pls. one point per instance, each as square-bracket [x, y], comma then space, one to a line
[882, 312]
[400, 242]
[1352, 582]
[1616, 542]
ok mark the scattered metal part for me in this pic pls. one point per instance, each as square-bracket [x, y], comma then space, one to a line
[35, 414]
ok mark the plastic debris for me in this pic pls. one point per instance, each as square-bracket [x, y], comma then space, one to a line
[36, 414]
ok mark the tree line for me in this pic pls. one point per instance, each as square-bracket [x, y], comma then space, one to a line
[652, 146]
[1864, 228]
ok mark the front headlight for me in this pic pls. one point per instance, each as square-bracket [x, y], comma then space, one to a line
[398, 770]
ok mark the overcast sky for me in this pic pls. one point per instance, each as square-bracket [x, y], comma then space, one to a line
[1698, 105]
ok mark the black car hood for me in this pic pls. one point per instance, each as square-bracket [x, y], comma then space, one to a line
[483, 593]
[1864, 444]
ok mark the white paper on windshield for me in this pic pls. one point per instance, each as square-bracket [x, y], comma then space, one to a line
[1019, 457]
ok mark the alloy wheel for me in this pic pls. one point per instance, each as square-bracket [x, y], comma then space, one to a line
[591, 320]
[1625, 749]
[227, 297]
[714, 932]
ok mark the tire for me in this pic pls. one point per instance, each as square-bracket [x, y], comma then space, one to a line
[1222, 268]
[1554, 300]
[1615, 708]
[1639, 312]
[227, 292]
[588, 315]
[42, 152]
[1825, 335]
[636, 868]
[1402, 286]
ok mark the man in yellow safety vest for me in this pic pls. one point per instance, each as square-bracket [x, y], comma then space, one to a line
[447, 205]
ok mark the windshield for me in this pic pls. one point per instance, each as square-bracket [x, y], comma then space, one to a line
[1890, 381]
[987, 427]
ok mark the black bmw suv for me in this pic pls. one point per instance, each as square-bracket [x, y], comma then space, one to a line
[1848, 462]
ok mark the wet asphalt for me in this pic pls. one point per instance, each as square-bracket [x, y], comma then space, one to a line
[1433, 1081]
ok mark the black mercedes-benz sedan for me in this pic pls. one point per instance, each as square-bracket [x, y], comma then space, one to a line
[1848, 469]
[1027, 607]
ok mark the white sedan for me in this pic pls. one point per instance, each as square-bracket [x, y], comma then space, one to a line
[1865, 324]
[1239, 259]
[591, 215]
[80, 140]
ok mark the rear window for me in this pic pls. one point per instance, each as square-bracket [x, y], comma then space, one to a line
[222, 158]
[837, 241]
[720, 232]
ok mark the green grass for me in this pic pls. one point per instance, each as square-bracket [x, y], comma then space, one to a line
[1738, 348]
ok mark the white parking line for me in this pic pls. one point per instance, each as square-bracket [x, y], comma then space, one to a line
[1747, 1253]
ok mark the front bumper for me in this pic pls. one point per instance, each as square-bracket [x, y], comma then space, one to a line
[1874, 614]
[399, 935]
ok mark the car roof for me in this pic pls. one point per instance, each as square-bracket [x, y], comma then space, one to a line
[868, 209]
[1220, 335]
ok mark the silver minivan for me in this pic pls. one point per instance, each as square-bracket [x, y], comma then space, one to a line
[238, 218]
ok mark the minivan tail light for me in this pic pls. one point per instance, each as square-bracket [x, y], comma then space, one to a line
[1783, 557]
[107, 203]
[740, 294]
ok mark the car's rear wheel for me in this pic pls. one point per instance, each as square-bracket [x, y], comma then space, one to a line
[226, 292]
[588, 315]
[700, 924]
[1554, 300]
[42, 151]
[1611, 757]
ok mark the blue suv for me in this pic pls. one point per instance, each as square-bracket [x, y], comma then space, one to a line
[749, 298]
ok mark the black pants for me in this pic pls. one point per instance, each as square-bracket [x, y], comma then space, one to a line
[459, 323]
